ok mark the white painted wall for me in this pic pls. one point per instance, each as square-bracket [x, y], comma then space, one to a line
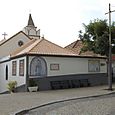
[21, 80]
[67, 66]
[70, 65]
[31, 31]
[3, 81]
[12, 44]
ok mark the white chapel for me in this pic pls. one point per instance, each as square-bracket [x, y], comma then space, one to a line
[26, 57]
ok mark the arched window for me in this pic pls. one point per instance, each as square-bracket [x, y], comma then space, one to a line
[6, 72]
[38, 67]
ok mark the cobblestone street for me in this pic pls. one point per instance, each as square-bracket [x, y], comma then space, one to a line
[103, 105]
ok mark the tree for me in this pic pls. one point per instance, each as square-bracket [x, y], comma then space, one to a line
[96, 37]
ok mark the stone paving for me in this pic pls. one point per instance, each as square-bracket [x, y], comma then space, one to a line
[102, 105]
[12, 103]
[90, 107]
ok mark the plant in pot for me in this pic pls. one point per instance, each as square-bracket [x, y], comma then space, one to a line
[33, 87]
[12, 86]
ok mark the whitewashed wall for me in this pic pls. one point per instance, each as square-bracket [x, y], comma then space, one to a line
[70, 65]
[21, 80]
[31, 31]
[3, 81]
[66, 66]
[11, 45]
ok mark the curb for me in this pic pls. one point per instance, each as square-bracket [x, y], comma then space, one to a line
[22, 112]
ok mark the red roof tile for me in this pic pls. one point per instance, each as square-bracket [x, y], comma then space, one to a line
[76, 48]
[42, 46]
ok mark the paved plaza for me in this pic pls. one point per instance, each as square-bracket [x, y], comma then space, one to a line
[16, 102]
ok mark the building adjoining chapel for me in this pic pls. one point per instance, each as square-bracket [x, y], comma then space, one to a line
[27, 55]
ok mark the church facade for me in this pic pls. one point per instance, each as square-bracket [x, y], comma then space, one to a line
[26, 56]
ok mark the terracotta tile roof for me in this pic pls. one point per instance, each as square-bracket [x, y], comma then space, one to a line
[76, 48]
[43, 47]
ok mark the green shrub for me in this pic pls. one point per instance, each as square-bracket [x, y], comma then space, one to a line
[32, 83]
[11, 85]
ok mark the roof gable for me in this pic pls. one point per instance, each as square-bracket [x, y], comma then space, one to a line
[4, 41]
[25, 48]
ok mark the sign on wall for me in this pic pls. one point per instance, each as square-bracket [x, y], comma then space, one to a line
[54, 66]
[93, 65]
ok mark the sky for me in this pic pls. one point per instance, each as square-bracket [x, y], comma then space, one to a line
[59, 20]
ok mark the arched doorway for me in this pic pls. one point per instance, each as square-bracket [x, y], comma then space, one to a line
[38, 67]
